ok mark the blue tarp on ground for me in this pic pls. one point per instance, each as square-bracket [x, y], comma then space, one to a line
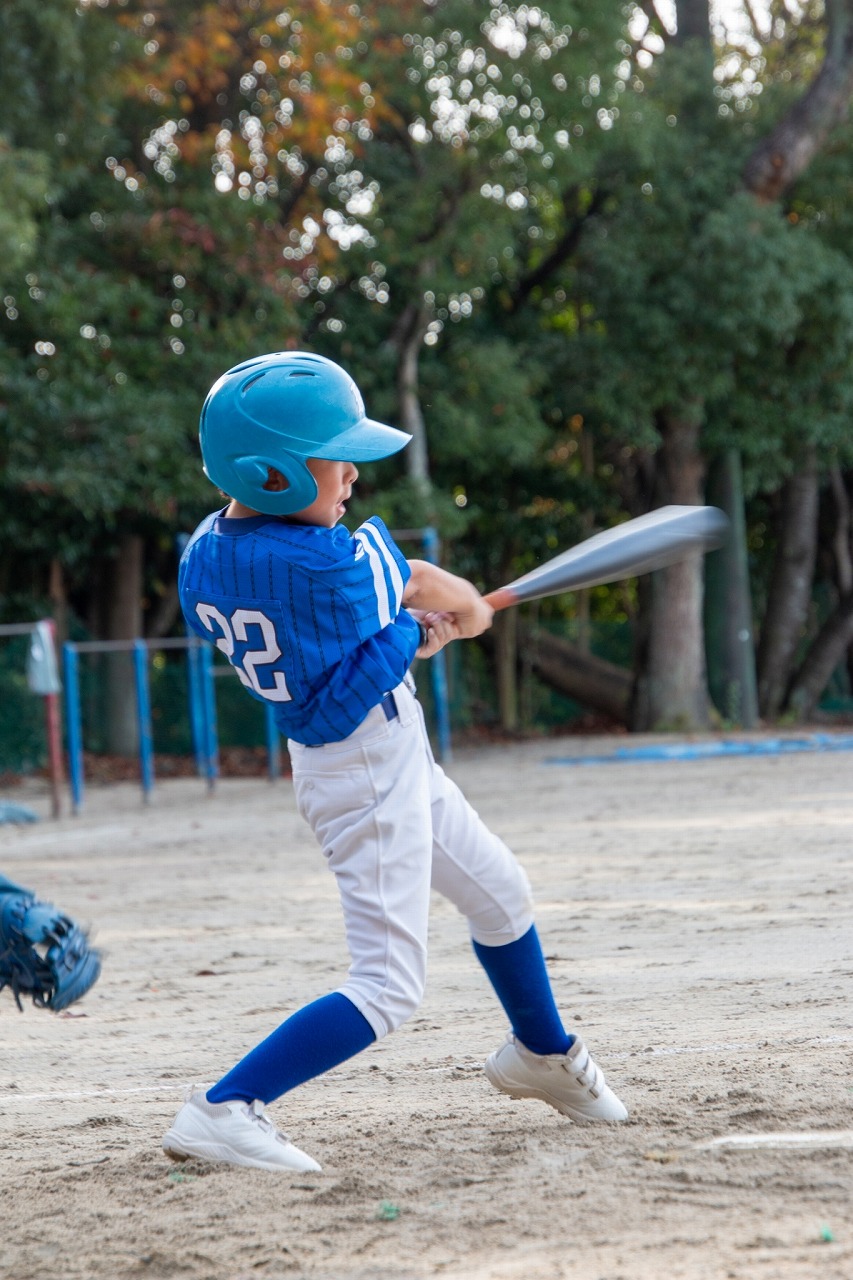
[16, 813]
[724, 747]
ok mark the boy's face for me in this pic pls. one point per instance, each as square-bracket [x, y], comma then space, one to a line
[334, 486]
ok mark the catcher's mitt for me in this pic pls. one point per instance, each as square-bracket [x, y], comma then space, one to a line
[43, 953]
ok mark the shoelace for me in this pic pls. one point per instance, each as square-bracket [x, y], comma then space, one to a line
[589, 1075]
[255, 1112]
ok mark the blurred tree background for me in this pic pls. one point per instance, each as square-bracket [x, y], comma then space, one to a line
[596, 257]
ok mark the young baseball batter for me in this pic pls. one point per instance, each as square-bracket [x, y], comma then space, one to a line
[324, 624]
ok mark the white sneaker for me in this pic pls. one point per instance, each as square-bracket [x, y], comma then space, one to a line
[234, 1133]
[572, 1082]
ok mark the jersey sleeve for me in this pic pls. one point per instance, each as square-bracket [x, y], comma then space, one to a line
[367, 578]
[384, 572]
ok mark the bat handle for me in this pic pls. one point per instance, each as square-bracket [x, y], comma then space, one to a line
[503, 598]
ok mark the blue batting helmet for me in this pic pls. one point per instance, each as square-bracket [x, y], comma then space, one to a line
[277, 410]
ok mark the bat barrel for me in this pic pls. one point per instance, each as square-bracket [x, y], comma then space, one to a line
[638, 546]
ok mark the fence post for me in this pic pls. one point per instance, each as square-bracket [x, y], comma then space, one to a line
[438, 667]
[273, 744]
[208, 699]
[43, 679]
[74, 723]
[53, 722]
[143, 709]
[196, 703]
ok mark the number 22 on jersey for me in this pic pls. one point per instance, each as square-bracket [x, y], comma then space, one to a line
[250, 667]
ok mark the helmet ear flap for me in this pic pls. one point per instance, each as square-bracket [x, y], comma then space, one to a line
[252, 473]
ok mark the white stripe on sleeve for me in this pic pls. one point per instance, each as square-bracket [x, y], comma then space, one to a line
[383, 604]
[391, 564]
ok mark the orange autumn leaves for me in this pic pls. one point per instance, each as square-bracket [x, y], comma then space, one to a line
[280, 81]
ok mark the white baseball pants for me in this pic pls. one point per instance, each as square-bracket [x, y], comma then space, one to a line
[393, 826]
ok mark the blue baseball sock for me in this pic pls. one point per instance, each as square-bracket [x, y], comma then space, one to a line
[518, 974]
[311, 1041]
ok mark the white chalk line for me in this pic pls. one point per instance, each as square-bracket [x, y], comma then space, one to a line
[171, 1086]
[813, 1138]
[743, 1046]
[124, 1091]
[812, 1042]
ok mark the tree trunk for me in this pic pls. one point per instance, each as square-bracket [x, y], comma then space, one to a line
[407, 341]
[694, 23]
[165, 612]
[832, 644]
[597, 684]
[123, 622]
[672, 692]
[827, 651]
[411, 416]
[790, 587]
[786, 152]
[841, 548]
[506, 667]
[583, 599]
[58, 600]
[728, 610]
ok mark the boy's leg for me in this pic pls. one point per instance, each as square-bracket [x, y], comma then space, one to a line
[228, 1123]
[310, 1042]
[368, 802]
[517, 972]
[475, 870]
[374, 834]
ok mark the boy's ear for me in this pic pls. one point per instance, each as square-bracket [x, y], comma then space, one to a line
[276, 482]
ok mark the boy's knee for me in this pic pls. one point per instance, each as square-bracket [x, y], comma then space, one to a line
[389, 1004]
[505, 917]
[399, 1001]
[400, 1012]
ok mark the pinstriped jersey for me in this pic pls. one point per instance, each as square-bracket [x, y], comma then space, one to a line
[310, 618]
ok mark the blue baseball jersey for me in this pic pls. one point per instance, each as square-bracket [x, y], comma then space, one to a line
[310, 618]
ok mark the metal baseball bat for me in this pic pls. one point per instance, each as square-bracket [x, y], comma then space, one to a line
[638, 546]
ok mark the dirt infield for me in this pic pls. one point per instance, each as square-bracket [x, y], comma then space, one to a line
[698, 917]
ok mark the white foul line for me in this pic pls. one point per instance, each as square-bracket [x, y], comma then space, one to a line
[167, 1086]
[814, 1138]
[813, 1042]
[171, 1086]
[739, 1047]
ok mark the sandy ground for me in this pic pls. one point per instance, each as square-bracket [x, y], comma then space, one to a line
[698, 917]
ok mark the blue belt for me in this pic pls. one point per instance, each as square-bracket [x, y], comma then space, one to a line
[389, 706]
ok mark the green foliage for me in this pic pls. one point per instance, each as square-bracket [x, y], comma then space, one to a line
[797, 390]
[23, 744]
[483, 408]
[54, 58]
[696, 295]
[23, 185]
[183, 185]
